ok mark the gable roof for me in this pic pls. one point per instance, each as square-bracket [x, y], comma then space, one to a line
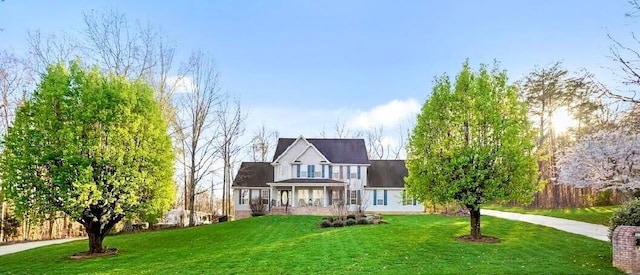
[336, 150]
[387, 173]
[254, 174]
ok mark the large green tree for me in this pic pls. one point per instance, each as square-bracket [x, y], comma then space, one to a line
[92, 146]
[472, 144]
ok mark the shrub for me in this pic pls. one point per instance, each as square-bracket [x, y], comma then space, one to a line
[338, 223]
[325, 224]
[327, 218]
[10, 225]
[351, 222]
[362, 221]
[351, 216]
[628, 214]
[257, 206]
[257, 214]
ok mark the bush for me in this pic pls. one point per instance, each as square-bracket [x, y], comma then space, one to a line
[257, 214]
[325, 224]
[10, 224]
[351, 222]
[330, 219]
[338, 223]
[351, 216]
[628, 214]
[257, 206]
[362, 221]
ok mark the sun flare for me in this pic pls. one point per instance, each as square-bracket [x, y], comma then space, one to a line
[562, 120]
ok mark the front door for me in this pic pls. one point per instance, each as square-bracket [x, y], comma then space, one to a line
[284, 197]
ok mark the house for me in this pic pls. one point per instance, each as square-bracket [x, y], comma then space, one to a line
[314, 175]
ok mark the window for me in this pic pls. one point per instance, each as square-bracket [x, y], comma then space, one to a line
[353, 197]
[244, 196]
[265, 196]
[380, 200]
[303, 174]
[311, 171]
[336, 175]
[318, 174]
[353, 175]
[407, 199]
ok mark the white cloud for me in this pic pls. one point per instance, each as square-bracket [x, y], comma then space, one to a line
[183, 84]
[389, 114]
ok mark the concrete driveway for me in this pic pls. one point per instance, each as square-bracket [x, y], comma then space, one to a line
[596, 231]
[13, 248]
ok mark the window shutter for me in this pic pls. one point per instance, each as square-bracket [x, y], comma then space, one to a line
[250, 198]
[323, 175]
[385, 197]
[349, 172]
[375, 197]
[239, 196]
[298, 170]
[358, 172]
[330, 172]
[359, 200]
[414, 201]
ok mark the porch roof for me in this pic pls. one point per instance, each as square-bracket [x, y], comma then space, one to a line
[309, 180]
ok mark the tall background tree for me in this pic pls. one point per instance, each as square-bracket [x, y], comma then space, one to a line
[230, 118]
[93, 146]
[263, 143]
[197, 126]
[472, 144]
[14, 82]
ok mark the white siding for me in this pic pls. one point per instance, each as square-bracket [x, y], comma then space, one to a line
[285, 170]
[310, 156]
[394, 202]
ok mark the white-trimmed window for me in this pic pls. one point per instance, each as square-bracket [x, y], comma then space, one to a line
[244, 196]
[318, 174]
[407, 199]
[303, 174]
[380, 198]
[265, 196]
[353, 197]
[336, 175]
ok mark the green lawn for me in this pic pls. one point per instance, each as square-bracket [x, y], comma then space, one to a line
[294, 245]
[597, 215]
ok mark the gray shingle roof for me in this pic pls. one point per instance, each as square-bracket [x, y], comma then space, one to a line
[254, 174]
[387, 173]
[348, 151]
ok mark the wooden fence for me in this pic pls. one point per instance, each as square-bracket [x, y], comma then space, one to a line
[568, 196]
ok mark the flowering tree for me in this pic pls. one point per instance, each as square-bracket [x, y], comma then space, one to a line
[603, 160]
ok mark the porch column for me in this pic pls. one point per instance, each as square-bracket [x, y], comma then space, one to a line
[293, 196]
[271, 198]
[346, 196]
[324, 196]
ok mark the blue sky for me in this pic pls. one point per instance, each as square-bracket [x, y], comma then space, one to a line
[299, 65]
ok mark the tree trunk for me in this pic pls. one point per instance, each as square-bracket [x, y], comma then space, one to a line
[475, 223]
[95, 243]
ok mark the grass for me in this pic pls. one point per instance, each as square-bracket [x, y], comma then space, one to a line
[294, 245]
[596, 215]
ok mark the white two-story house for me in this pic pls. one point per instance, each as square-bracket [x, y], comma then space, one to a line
[310, 176]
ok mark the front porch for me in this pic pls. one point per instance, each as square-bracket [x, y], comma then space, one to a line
[307, 195]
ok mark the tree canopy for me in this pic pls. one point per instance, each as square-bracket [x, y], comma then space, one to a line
[472, 143]
[91, 145]
[603, 160]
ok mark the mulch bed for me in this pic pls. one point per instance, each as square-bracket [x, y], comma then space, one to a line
[86, 255]
[483, 239]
